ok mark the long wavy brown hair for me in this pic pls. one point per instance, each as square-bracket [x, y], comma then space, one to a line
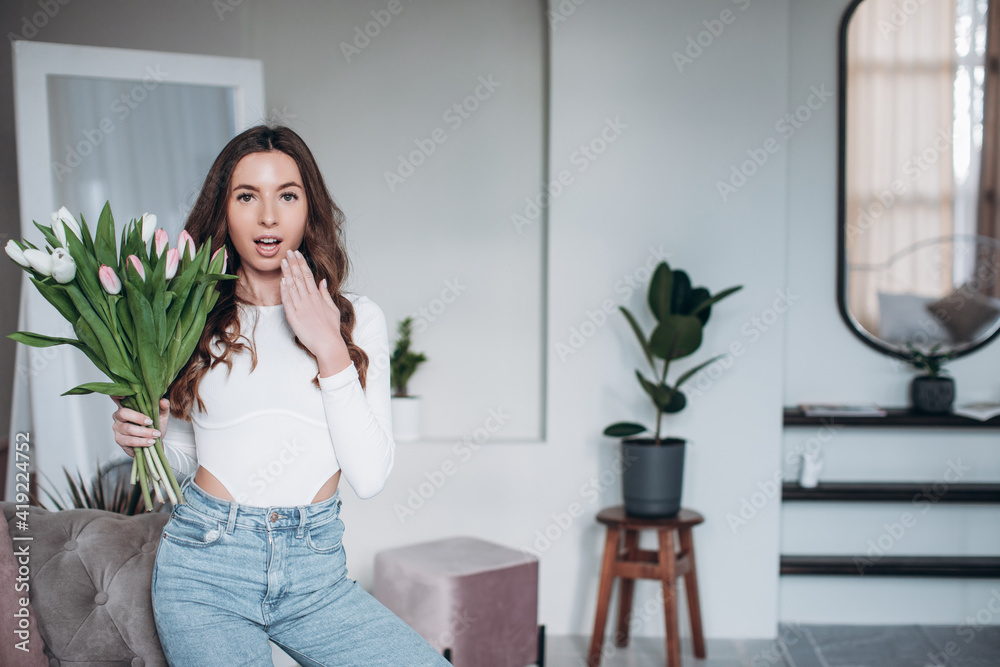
[322, 247]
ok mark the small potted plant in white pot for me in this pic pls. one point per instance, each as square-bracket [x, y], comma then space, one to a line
[402, 365]
[934, 391]
[653, 480]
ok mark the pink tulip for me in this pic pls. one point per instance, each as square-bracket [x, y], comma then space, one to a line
[225, 257]
[162, 238]
[137, 265]
[109, 279]
[173, 259]
[186, 241]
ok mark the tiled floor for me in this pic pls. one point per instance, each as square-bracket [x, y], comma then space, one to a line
[807, 646]
[799, 646]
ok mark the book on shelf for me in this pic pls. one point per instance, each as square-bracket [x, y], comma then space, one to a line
[841, 410]
[983, 411]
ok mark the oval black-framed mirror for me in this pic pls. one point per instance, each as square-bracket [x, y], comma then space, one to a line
[918, 242]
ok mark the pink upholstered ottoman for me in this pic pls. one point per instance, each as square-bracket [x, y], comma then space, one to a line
[477, 598]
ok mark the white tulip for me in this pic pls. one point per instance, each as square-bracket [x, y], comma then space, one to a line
[148, 226]
[16, 254]
[63, 216]
[39, 260]
[63, 266]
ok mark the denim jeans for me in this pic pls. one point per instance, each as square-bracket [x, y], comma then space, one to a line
[228, 577]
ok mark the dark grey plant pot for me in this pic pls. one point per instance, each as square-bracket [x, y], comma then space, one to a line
[932, 394]
[654, 476]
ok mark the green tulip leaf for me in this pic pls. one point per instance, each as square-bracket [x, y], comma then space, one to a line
[109, 388]
[38, 340]
[47, 232]
[104, 241]
[56, 295]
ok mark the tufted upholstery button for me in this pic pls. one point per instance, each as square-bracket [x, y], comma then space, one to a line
[148, 547]
[53, 662]
[274, 517]
[70, 546]
[138, 662]
[101, 597]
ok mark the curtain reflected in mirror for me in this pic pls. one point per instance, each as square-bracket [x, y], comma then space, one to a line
[144, 145]
[920, 248]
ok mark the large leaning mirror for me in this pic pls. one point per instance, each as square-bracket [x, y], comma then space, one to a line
[919, 225]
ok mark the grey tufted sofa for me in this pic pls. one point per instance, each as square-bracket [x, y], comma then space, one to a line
[90, 574]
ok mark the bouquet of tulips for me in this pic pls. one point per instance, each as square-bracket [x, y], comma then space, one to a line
[137, 315]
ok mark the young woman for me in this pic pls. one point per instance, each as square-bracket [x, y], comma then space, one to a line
[268, 426]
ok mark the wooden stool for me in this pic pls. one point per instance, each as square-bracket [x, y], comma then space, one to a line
[665, 564]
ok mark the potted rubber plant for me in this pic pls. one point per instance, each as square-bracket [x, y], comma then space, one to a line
[402, 365]
[653, 481]
[933, 391]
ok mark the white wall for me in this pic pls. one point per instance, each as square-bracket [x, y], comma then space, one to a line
[825, 362]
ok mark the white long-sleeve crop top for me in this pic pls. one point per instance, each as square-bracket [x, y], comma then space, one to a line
[270, 436]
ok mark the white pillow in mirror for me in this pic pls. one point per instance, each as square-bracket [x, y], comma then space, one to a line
[904, 317]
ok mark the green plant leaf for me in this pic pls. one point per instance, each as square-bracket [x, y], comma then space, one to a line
[695, 299]
[689, 374]
[677, 402]
[716, 298]
[658, 392]
[661, 291]
[109, 388]
[680, 292]
[639, 335]
[687, 331]
[624, 429]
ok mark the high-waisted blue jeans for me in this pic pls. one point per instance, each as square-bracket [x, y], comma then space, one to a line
[228, 577]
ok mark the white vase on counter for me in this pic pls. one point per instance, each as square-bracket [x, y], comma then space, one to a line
[406, 418]
[812, 465]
